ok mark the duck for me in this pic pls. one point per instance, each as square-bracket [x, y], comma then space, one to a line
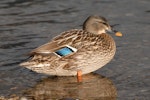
[75, 52]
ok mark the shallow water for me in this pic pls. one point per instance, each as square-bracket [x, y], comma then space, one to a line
[26, 24]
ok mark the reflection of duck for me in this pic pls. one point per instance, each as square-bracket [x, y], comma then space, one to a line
[75, 50]
[93, 87]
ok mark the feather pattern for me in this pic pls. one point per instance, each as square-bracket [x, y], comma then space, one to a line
[93, 52]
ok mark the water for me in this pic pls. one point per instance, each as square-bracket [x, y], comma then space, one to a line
[26, 24]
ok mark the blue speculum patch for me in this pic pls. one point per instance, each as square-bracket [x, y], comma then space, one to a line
[64, 51]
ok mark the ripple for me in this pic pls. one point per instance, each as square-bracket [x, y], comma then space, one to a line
[63, 11]
[18, 3]
[12, 45]
[35, 22]
[148, 11]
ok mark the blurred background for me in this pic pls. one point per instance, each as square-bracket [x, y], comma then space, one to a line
[26, 24]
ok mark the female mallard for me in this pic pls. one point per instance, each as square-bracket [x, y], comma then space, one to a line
[78, 50]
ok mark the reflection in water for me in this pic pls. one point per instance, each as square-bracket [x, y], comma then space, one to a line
[93, 86]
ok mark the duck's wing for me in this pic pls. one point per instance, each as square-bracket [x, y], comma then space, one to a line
[64, 39]
[75, 40]
[45, 49]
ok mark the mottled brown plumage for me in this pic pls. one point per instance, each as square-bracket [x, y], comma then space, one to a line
[94, 48]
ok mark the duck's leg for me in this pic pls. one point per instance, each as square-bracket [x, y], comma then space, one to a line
[79, 76]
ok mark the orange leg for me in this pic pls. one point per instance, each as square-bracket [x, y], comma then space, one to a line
[79, 76]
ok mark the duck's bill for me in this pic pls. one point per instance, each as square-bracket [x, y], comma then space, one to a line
[117, 33]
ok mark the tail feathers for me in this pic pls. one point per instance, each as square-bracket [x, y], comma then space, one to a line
[25, 64]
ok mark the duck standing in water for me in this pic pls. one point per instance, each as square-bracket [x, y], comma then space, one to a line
[75, 52]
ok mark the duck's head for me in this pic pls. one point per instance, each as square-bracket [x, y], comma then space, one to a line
[96, 25]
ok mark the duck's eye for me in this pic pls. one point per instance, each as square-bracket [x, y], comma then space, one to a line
[105, 24]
